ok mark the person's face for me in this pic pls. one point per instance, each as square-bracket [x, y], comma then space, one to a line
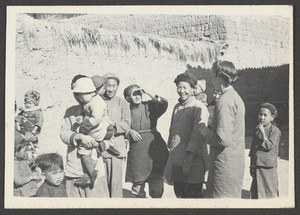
[216, 95]
[28, 103]
[111, 87]
[54, 177]
[265, 116]
[84, 98]
[22, 154]
[197, 90]
[135, 96]
[184, 90]
[101, 90]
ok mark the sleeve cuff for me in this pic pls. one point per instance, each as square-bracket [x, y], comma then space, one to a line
[72, 140]
[194, 150]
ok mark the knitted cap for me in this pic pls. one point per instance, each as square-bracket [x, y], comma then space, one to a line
[98, 81]
[111, 75]
[202, 84]
[270, 107]
[186, 77]
[33, 96]
[84, 85]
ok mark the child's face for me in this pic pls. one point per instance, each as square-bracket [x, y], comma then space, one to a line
[54, 177]
[101, 91]
[265, 116]
[197, 90]
[216, 95]
[84, 98]
[28, 103]
[22, 154]
[135, 96]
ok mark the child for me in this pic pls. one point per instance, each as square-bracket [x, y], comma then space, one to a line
[26, 181]
[52, 168]
[94, 122]
[99, 83]
[29, 121]
[199, 91]
[211, 106]
[148, 152]
[264, 153]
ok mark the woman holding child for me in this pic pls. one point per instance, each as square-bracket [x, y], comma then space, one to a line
[70, 135]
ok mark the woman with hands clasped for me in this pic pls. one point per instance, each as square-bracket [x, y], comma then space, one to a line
[264, 153]
[148, 152]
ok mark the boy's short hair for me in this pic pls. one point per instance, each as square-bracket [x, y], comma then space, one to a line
[49, 162]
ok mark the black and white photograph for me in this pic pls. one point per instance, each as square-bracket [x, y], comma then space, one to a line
[196, 107]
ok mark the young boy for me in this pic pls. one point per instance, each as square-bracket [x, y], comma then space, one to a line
[30, 119]
[26, 181]
[148, 153]
[52, 168]
[199, 91]
[94, 122]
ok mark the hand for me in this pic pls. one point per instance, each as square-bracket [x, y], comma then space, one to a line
[36, 176]
[135, 135]
[79, 120]
[87, 141]
[112, 123]
[187, 168]
[260, 128]
[18, 127]
[29, 136]
[204, 131]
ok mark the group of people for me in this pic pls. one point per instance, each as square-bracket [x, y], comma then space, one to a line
[103, 131]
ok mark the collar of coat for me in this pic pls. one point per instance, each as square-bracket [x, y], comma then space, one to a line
[186, 102]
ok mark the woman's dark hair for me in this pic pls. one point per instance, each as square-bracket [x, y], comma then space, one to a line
[76, 77]
[226, 70]
[50, 162]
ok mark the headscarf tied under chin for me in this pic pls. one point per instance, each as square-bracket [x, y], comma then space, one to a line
[270, 107]
[186, 77]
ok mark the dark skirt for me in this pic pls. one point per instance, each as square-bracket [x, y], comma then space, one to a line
[148, 156]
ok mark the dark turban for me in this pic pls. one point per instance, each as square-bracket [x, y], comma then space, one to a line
[186, 77]
[270, 107]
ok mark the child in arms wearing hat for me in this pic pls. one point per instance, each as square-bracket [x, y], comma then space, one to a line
[93, 122]
[30, 120]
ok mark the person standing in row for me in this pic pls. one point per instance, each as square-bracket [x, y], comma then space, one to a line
[186, 165]
[119, 114]
[148, 153]
[264, 154]
[74, 169]
[226, 137]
